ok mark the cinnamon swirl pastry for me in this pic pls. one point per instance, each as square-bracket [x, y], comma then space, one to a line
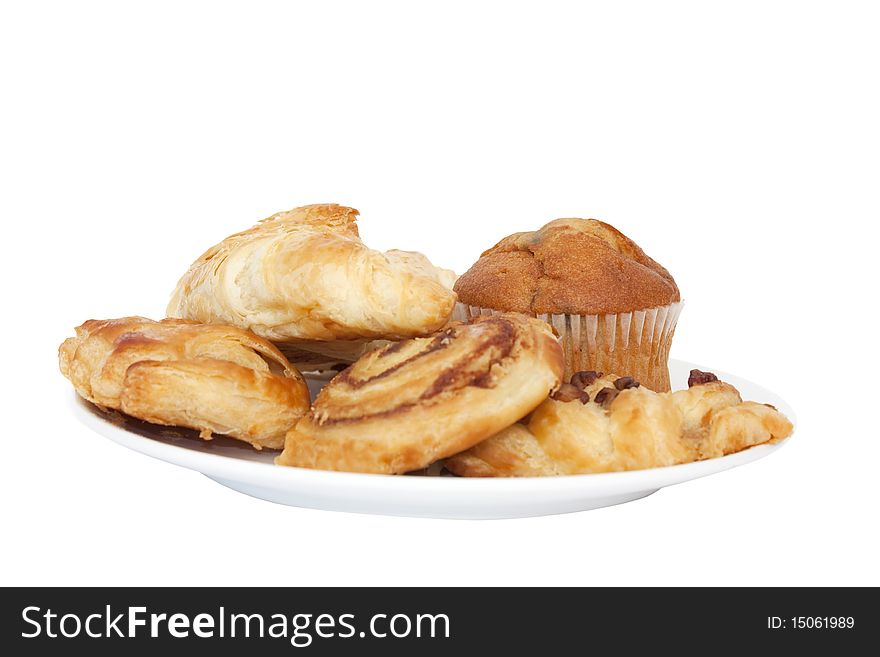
[403, 407]
[601, 423]
[213, 378]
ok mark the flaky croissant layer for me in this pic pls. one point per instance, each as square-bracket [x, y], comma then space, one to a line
[306, 275]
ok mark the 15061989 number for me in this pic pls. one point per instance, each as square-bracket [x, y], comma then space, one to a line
[822, 622]
[811, 623]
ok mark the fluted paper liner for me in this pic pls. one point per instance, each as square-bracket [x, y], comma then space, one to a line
[627, 344]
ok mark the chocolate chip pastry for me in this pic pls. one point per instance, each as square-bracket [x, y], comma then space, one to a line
[597, 423]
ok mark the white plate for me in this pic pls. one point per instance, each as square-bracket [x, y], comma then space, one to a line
[238, 466]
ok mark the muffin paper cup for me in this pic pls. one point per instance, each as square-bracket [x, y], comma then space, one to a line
[627, 344]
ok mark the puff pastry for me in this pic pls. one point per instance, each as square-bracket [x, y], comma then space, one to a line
[305, 275]
[405, 406]
[213, 378]
[606, 424]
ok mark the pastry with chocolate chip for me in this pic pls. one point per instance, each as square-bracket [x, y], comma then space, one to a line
[598, 423]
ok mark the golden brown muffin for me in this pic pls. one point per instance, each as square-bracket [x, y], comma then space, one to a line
[608, 424]
[405, 406]
[575, 266]
[614, 307]
[210, 377]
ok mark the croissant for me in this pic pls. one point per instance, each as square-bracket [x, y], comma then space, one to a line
[402, 408]
[607, 424]
[305, 275]
[213, 378]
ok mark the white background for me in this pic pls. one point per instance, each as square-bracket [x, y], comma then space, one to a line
[738, 145]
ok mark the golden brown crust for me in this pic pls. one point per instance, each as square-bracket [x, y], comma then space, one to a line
[213, 378]
[576, 266]
[405, 406]
[637, 429]
[305, 275]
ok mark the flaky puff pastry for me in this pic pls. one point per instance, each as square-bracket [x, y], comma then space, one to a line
[632, 429]
[214, 378]
[305, 275]
[405, 406]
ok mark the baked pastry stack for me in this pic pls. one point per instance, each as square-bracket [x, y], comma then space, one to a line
[482, 397]
[304, 280]
[614, 308]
